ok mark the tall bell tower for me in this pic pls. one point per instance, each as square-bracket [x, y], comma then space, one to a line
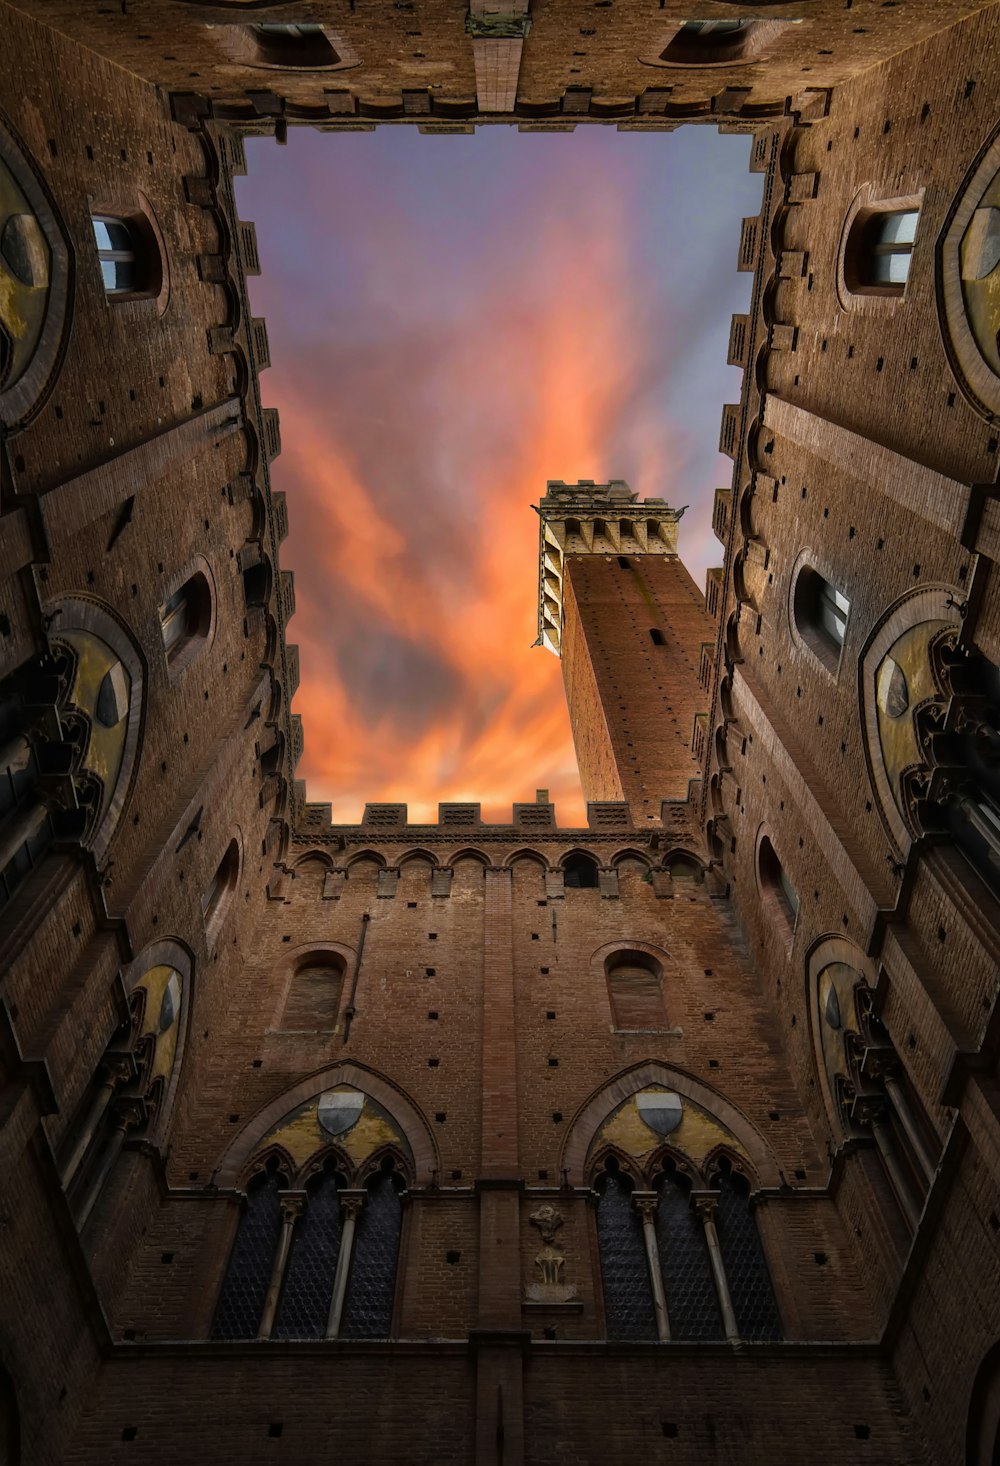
[619, 608]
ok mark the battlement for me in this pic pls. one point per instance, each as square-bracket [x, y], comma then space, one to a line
[588, 518]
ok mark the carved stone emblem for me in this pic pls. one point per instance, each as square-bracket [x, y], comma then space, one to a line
[549, 1261]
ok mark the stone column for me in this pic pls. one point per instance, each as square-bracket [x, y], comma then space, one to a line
[351, 1203]
[116, 1074]
[293, 1204]
[128, 1114]
[904, 1113]
[705, 1208]
[645, 1202]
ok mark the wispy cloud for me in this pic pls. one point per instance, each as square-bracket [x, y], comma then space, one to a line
[436, 360]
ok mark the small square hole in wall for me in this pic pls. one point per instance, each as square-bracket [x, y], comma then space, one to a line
[432, 936]
[433, 1063]
[544, 971]
[456, 1175]
[713, 1063]
[863, 1432]
[129, 1432]
[411, 905]
[543, 903]
[166, 1257]
[286, 939]
[452, 1257]
[709, 1017]
[543, 1175]
[440, 1117]
[430, 972]
[820, 1259]
[669, 1429]
[534, 936]
[550, 1014]
[234, 1119]
[257, 1064]
[774, 1115]
[275, 1428]
[432, 1016]
[557, 1117]
[800, 1174]
[553, 1063]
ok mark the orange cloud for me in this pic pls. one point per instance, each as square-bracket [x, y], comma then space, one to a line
[417, 610]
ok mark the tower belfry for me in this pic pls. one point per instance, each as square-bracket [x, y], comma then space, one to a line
[618, 607]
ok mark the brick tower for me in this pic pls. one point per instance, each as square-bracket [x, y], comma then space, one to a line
[619, 608]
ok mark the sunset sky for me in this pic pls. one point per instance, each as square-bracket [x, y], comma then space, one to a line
[452, 321]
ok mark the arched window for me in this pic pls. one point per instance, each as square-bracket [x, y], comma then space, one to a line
[219, 893]
[743, 1259]
[982, 1433]
[692, 1304]
[580, 873]
[129, 255]
[304, 44]
[628, 1297]
[313, 1000]
[186, 621]
[717, 42]
[821, 612]
[10, 1422]
[776, 888]
[635, 990]
[248, 1275]
[879, 249]
[371, 1290]
[307, 1291]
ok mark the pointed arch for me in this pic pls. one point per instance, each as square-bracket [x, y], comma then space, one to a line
[526, 854]
[620, 856]
[168, 1027]
[370, 855]
[419, 854]
[623, 1161]
[405, 1112]
[272, 1158]
[469, 853]
[314, 857]
[592, 1114]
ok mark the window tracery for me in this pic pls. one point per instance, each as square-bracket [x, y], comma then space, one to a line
[131, 1094]
[678, 1245]
[317, 1260]
[867, 1083]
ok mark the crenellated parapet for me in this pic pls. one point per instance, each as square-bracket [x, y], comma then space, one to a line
[588, 518]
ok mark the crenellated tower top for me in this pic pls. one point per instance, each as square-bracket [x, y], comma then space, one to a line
[587, 518]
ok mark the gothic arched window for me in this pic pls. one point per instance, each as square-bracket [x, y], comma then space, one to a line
[248, 1275]
[371, 1288]
[303, 45]
[217, 897]
[879, 249]
[779, 894]
[186, 621]
[820, 611]
[129, 255]
[307, 1292]
[10, 1423]
[743, 1259]
[635, 991]
[580, 873]
[692, 1304]
[312, 1003]
[628, 1297]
